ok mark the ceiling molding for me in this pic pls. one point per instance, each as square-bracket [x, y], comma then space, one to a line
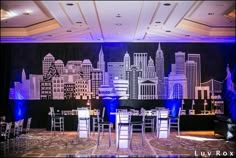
[31, 30]
[195, 27]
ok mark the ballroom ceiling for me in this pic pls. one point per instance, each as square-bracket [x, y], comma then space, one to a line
[118, 21]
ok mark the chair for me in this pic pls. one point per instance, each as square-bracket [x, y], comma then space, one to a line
[21, 124]
[101, 124]
[5, 136]
[56, 121]
[124, 127]
[174, 121]
[162, 123]
[138, 126]
[149, 120]
[27, 128]
[95, 121]
[83, 128]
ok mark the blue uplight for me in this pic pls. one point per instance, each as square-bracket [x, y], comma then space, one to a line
[173, 105]
[230, 94]
[19, 107]
[111, 105]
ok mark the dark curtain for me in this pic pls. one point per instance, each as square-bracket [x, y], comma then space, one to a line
[5, 68]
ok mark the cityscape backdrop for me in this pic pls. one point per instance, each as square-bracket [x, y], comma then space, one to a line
[143, 71]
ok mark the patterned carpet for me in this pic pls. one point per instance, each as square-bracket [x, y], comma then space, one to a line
[42, 143]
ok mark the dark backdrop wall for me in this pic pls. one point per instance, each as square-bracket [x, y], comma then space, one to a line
[214, 56]
[16, 56]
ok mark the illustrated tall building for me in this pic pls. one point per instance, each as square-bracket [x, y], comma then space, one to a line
[46, 90]
[115, 69]
[58, 87]
[140, 61]
[151, 73]
[177, 81]
[86, 68]
[82, 89]
[59, 66]
[126, 61]
[133, 75]
[197, 59]
[180, 63]
[101, 63]
[21, 89]
[69, 88]
[147, 89]
[35, 86]
[47, 61]
[191, 74]
[73, 67]
[121, 88]
[96, 82]
[160, 72]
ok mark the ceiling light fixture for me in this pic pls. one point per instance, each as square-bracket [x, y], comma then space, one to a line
[79, 22]
[118, 24]
[166, 4]
[118, 15]
[69, 4]
[168, 31]
[157, 22]
[26, 13]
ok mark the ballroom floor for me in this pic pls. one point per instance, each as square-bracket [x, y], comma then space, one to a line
[42, 143]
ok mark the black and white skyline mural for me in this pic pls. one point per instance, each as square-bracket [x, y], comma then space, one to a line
[143, 71]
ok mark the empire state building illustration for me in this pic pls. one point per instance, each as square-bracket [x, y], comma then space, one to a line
[143, 79]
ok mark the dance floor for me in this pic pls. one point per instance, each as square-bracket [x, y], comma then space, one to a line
[43, 143]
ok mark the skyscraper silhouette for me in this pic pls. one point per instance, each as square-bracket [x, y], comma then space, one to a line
[101, 63]
[160, 72]
[191, 74]
[197, 59]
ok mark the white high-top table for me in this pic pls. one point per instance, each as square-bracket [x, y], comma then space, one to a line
[124, 131]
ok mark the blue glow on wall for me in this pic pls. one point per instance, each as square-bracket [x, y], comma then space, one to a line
[19, 107]
[230, 93]
[111, 105]
[173, 105]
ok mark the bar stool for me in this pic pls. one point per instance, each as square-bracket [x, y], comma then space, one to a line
[95, 121]
[138, 126]
[149, 120]
[101, 124]
[124, 121]
[174, 121]
[83, 127]
[5, 137]
[56, 121]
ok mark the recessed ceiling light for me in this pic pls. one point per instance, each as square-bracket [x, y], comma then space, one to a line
[69, 4]
[168, 31]
[210, 13]
[118, 15]
[118, 24]
[166, 4]
[79, 22]
[68, 31]
[26, 13]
